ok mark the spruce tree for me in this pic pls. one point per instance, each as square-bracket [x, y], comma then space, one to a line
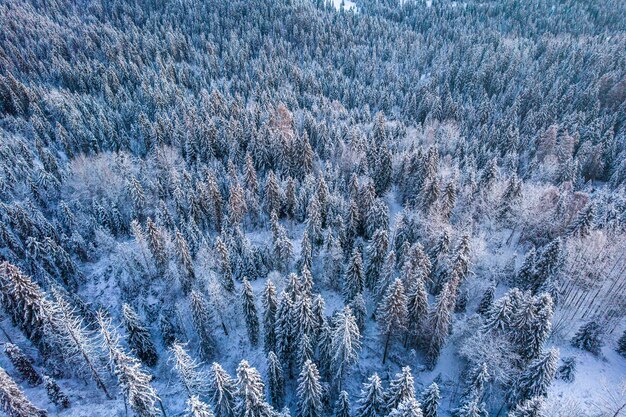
[371, 402]
[197, 408]
[376, 252]
[250, 313]
[250, 399]
[589, 338]
[401, 388]
[22, 364]
[417, 308]
[342, 406]
[392, 314]
[353, 279]
[275, 380]
[285, 330]
[360, 311]
[13, 401]
[430, 400]
[345, 343]
[486, 300]
[407, 408]
[202, 318]
[138, 336]
[270, 307]
[222, 390]
[567, 371]
[532, 407]
[535, 380]
[55, 394]
[439, 320]
[191, 377]
[225, 265]
[470, 408]
[309, 391]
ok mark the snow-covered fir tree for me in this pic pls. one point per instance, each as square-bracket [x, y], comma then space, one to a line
[275, 380]
[13, 401]
[371, 401]
[342, 406]
[430, 400]
[22, 364]
[309, 391]
[222, 390]
[138, 336]
[392, 314]
[401, 388]
[250, 312]
[55, 394]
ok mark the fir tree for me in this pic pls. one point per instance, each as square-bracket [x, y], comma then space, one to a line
[222, 391]
[371, 402]
[249, 395]
[486, 301]
[186, 263]
[22, 364]
[360, 311]
[342, 406]
[192, 379]
[353, 279]
[583, 223]
[138, 336]
[430, 400]
[270, 307]
[55, 394]
[250, 313]
[376, 252]
[304, 351]
[169, 326]
[345, 343]
[392, 313]
[532, 407]
[197, 408]
[439, 320]
[202, 318]
[285, 331]
[535, 380]
[133, 381]
[589, 338]
[417, 308]
[401, 389]
[309, 391]
[407, 408]
[225, 265]
[470, 408]
[275, 380]
[13, 401]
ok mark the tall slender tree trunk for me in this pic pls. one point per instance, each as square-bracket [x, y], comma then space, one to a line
[386, 347]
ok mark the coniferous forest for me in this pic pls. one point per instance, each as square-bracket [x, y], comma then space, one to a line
[312, 208]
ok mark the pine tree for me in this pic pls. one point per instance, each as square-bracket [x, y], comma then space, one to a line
[304, 350]
[430, 400]
[270, 307]
[156, 244]
[304, 318]
[56, 396]
[417, 307]
[250, 313]
[353, 279]
[345, 343]
[392, 313]
[169, 326]
[22, 364]
[532, 407]
[197, 408]
[401, 389]
[439, 320]
[475, 387]
[13, 401]
[567, 371]
[309, 391]
[535, 380]
[202, 318]
[272, 194]
[376, 252]
[138, 336]
[583, 223]
[275, 380]
[186, 262]
[360, 311]
[470, 408]
[589, 338]
[342, 406]
[133, 381]
[222, 390]
[370, 403]
[548, 263]
[249, 396]
[285, 330]
[192, 379]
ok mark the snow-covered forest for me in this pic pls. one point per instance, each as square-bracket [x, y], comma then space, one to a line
[311, 208]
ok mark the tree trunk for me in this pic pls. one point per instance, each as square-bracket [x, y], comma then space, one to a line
[386, 347]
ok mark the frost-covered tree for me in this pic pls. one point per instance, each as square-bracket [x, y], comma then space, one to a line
[55, 394]
[535, 380]
[353, 282]
[197, 408]
[133, 381]
[370, 402]
[417, 308]
[407, 408]
[275, 380]
[345, 343]
[285, 329]
[392, 313]
[202, 318]
[250, 313]
[376, 252]
[22, 364]
[567, 371]
[13, 401]
[430, 400]
[250, 399]
[222, 390]
[309, 391]
[532, 407]
[138, 336]
[225, 265]
[342, 406]
[191, 377]
[487, 300]
[439, 319]
[270, 307]
[401, 389]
